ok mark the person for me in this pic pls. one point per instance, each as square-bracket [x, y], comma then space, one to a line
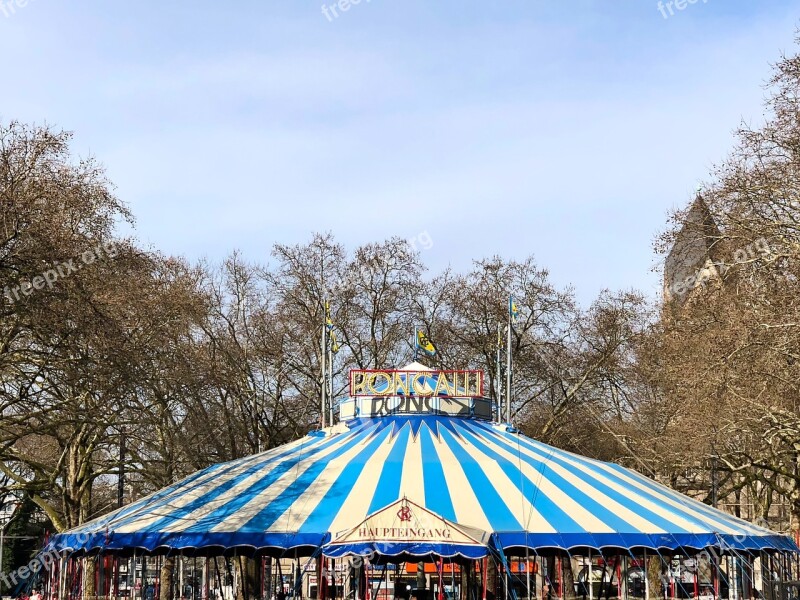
[36, 595]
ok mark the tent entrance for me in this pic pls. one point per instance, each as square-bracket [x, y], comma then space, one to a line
[406, 528]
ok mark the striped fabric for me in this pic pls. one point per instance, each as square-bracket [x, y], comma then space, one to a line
[472, 473]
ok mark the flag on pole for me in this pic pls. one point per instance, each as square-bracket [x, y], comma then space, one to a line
[334, 342]
[328, 321]
[424, 344]
[513, 309]
[329, 326]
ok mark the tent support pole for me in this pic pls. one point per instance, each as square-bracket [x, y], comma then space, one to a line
[624, 579]
[453, 579]
[62, 576]
[453, 576]
[715, 574]
[386, 574]
[614, 570]
[219, 578]
[440, 569]
[236, 568]
[160, 582]
[204, 595]
[528, 572]
[559, 576]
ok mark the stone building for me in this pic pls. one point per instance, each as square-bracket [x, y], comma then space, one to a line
[695, 256]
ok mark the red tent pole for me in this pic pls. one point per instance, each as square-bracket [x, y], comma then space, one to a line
[441, 589]
[715, 575]
[318, 573]
[558, 577]
[321, 587]
[367, 582]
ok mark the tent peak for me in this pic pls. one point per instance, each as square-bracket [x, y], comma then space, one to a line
[415, 366]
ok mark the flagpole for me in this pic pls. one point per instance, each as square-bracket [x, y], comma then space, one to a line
[324, 382]
[508, 365]
[498, 377]
[416, 342]
[330, 379]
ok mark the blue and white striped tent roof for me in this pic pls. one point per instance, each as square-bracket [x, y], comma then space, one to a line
[479, 476]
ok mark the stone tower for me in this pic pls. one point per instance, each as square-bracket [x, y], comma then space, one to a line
[692, 260]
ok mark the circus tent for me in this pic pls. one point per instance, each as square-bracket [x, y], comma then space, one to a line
[420, 482]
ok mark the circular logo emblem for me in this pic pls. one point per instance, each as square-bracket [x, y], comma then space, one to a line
[404, 513]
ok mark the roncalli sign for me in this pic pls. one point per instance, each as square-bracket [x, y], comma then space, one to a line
[419, 384]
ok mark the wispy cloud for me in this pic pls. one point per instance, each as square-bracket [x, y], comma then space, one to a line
[528, 128]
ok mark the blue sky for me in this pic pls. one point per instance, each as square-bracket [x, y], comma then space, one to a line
[564, 129]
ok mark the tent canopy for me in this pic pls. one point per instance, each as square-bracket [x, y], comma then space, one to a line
[489, 484]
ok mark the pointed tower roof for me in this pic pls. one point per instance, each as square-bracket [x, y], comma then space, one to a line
[694, 247]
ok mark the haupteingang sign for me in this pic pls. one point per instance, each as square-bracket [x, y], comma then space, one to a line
[406, 521]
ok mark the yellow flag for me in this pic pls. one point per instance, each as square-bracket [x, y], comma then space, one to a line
[424, 344]
[513, 309]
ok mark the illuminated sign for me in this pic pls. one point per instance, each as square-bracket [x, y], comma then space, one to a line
[422, 384]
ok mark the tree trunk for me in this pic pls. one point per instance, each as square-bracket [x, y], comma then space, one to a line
[567, 578]
[491, 579]
[654, 572]
[89, 570]
[247, 579]
[77, 489]
[166, 579]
